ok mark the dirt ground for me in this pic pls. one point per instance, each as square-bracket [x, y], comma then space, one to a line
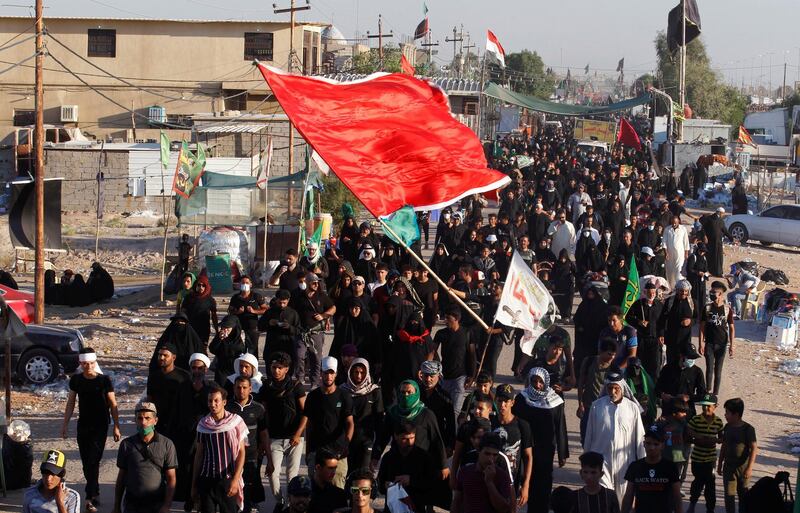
[124, 332]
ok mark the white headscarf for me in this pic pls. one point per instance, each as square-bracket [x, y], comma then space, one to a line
[255, 379]
[618, 379]
[366, 386]
[545, 399]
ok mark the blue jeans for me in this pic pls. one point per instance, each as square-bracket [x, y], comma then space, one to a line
[735, 298]
[455, 387]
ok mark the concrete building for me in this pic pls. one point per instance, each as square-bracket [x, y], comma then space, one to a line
[125, 79]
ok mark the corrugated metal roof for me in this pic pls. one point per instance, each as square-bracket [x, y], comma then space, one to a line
[234, 128]
[454, 86]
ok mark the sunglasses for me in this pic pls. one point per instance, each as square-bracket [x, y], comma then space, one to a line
[364, 491]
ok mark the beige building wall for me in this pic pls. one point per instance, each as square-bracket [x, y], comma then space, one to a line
[187, 67]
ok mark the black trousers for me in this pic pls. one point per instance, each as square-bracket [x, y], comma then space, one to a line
[91, 443]
[649, 352]
[359, 452]
[251, 341]
[715, 359]
[253, 486]
[214, 496]
[704, 482]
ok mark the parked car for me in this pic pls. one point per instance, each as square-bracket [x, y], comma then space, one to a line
[19, 301]
[38, 355]
[779, 225]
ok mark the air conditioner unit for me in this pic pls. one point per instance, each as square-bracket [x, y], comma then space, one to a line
[157, 114]
[69, 113]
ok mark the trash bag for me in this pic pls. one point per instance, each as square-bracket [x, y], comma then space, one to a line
[172, 285]
[774, 299]
[18, 463]
[775, 276]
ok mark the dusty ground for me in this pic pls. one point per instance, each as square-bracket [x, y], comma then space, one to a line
[124, 332]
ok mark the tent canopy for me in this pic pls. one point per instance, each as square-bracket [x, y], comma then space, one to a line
[560, 109]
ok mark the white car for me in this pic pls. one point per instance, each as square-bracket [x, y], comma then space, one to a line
[779, 225]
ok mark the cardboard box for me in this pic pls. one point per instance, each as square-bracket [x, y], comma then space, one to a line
[783, 338]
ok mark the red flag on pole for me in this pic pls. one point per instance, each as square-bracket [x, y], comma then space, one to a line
[406, 66]
[628, 136]
[390, 138]
[494, 47]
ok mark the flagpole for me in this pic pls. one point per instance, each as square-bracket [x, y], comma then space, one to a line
[266, 211]
[303, 208]
[682, 77]
[99, 206]
[485, 348]
[480, 97]
[430, 271]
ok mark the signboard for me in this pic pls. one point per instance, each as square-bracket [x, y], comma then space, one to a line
[22, 214]
[591, 130]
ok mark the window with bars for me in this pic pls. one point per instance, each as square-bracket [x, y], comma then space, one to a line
[102, 43]
[258, 45]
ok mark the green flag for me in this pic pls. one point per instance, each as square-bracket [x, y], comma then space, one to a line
[164, 150]
[404, 224]
[315, 237]
[632, 291]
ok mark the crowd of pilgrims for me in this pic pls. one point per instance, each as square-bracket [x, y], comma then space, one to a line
[388, 374]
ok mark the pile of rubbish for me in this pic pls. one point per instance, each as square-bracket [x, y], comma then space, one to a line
[790, 367]
[719, 195]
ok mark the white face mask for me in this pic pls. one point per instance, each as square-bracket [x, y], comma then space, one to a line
[244, 287]
[302, 286]
[651, 228]
[586, 234]
[607, 236]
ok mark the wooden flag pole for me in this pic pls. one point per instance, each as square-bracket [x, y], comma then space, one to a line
[435, 276]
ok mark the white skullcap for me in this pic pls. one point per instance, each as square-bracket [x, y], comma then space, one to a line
[200, 356]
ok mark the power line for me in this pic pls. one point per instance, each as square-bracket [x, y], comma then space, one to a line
[120, 10]
[6, 46]
[17, 64]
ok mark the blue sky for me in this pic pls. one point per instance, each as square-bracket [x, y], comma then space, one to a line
[742, 37]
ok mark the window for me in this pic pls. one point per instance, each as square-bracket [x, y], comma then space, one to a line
[102, 43]
[258, 45]
[24, 117]
[794, 213]
[778, 212]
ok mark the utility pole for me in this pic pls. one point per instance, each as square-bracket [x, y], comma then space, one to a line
[379, 36]
[38, 316]
[429, 45]
[783, 89]
[291, 10]
[466, 57]
[457, 38]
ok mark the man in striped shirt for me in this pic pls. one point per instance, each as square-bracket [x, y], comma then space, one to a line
[219, 457]
[705, 431]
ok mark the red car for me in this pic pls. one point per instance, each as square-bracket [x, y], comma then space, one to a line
[19, 301]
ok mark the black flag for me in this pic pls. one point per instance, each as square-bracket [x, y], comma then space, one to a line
[674, 29]
[586, 70]
[621, 64]
[421, 29]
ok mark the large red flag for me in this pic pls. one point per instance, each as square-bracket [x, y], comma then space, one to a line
[628, 136]
[406, 66]
[389, 137]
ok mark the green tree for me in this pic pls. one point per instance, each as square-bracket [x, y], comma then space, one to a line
[370, 62]
[706, 93]
[530, 75]
[334, 196]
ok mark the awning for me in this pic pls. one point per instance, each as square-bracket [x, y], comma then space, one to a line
[234, 128]
[561, 109]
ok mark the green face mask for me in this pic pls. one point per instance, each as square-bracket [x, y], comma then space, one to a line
[145, 431]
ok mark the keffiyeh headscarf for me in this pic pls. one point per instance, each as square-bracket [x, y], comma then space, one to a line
[255, 379]
[545, 399]
[408, 406]
[363, 388]
[618, 379]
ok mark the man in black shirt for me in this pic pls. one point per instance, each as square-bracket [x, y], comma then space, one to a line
[644, 316]
[97, 405]
[255, 417]
[408, 465]
[653, 481]
[717, 332]
[326, 497]
[437, 399]
[457, 356]
[281, 323]
[518, 444]
[328, 414]
[681, 379]
[248, 305]
[428, 292]
[286, 275]
[314, 308]
[170, 388]
[284, 399]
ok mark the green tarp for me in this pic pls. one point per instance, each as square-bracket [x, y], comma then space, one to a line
[560, 109]
[212, 180]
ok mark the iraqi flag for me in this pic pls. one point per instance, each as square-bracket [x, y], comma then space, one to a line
[494, 47]
[390, 138]
[421, 30]
[628, 136]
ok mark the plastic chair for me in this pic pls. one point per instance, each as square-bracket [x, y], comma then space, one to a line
[753, 299]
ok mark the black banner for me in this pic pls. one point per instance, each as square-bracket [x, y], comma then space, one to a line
[674, 28]
[22, 215]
